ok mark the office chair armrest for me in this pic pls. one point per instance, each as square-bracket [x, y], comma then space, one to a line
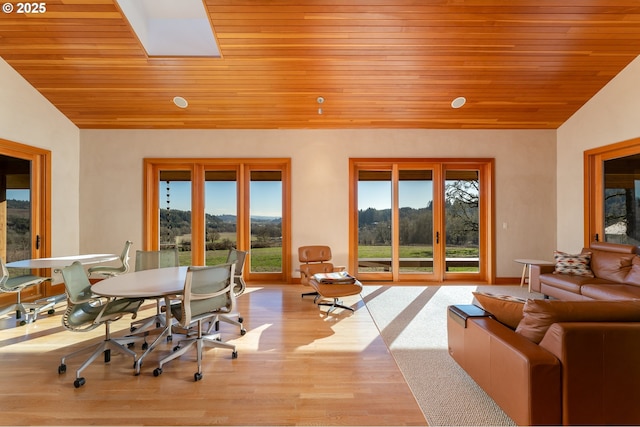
[89, 297]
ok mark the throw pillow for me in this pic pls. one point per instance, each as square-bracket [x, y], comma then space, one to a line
[577, 265]
[539, 315]
[505, 308]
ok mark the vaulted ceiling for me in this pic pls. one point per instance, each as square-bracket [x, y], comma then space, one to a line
[520, 64]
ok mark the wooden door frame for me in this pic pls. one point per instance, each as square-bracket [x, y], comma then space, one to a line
[40, 213]
[486, 168]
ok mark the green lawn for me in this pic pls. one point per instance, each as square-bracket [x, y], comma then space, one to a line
[270, 259]
[425, 251]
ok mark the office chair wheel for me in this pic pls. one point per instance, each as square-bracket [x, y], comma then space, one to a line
[176, 348]
[62, 368]
[107, 356]
[131, 345]
[79, 382]
[170, 338]
[51, 311]
[240, 319]
[243, 331]
[234, 355]
[157, 372]
[217, 328]
[145, 345]
[132, 329]
[23, 322]
[197, 376]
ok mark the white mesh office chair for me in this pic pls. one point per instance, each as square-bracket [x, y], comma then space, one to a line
[207, 290]
[15, 285]
[233, 317]
[146, 260]
[109, 271]
[86, 312]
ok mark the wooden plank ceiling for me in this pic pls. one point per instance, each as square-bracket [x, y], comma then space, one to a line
[521, 64]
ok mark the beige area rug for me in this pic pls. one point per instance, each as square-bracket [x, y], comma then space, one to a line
[413, 323]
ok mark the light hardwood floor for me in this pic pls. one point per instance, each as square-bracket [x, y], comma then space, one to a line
[296, 366]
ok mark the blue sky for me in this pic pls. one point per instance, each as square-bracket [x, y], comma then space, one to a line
[220, 197]
[377, 194]
[266, 196]
[18, 194]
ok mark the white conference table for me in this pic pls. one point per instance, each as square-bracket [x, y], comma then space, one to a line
[154, 283]
[62, 261]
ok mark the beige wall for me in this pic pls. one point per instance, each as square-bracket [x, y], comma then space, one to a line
[111, 184]
[28, 118]
[611, 116]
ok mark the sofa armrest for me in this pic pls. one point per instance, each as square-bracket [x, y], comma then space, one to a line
[520, 376]
[600, 371]
[535, 271]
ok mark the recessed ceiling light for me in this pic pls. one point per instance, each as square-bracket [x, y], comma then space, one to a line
[458, 102]
[180, 102]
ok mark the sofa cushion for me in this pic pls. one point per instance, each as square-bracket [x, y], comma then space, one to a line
[574, 264]
[611, 292]
[505, 309]
[611, 265]
[570, 283]
[538, 315]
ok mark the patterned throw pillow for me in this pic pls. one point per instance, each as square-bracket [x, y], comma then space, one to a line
[577, 265]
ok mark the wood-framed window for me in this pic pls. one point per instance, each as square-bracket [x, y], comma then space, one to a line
[612, 193]
[206, 206]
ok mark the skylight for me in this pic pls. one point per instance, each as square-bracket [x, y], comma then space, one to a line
[171, 27]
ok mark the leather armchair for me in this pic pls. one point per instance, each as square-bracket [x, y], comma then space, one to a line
[315, 259]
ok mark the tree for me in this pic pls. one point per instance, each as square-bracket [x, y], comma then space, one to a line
[462, 199]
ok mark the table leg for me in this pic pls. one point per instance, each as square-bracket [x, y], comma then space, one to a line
[166, 331]
[524, 273]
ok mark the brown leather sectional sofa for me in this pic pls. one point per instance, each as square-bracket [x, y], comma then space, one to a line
[567, 362]
[616, 270]
[574, 358]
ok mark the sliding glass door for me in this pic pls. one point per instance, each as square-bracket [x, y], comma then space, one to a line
[420, 220]
[25, 212]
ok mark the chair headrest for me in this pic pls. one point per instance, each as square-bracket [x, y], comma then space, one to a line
[315, 253]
